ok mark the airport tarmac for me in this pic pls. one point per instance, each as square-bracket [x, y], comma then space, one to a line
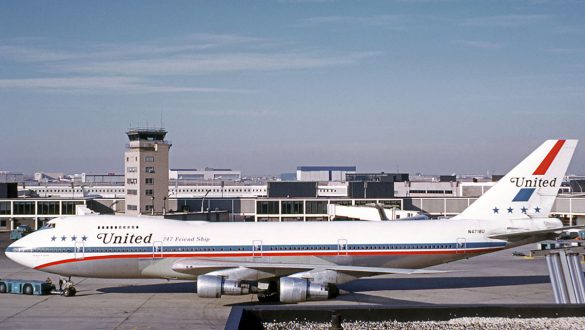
[498, 278]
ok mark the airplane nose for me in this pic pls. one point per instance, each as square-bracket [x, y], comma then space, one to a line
[9, 252]
[13, 254]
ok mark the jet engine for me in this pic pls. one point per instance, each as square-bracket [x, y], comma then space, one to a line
[294, 290]
[210, 286]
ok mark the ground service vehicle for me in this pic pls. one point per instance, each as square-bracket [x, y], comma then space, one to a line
[29, 287]
[20, 232]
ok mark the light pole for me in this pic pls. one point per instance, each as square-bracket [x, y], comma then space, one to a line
[164, 206]
[366, 189]
[152, 210]
[203, 200]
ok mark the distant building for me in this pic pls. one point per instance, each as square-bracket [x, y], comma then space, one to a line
[103, 179]
[577, 184]
[323, 173]
[370, 189]
[426, 189]
[288, 176]
[7, 176]
[207, 174]
[377, 177]
[292, 189]
[146, 171]
[447, 178]
[8, 190]
[48, 177]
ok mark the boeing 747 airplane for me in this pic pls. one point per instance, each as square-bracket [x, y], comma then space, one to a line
[299, 261]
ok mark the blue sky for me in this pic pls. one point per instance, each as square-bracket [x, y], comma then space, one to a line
[264, 86]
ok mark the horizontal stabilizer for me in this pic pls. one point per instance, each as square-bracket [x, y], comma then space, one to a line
[538, 234]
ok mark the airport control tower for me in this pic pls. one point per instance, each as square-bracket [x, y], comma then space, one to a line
[147, 171]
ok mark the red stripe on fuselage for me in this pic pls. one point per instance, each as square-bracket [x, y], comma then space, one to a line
[552, 154]
[267, 254]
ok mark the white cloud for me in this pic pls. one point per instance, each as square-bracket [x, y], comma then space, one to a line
[188, 44]
[194, 54]
[393, 21]
[104, 84]
[570, 29]
[306, 1]
[567, 51]
[480, 44]
[216, 63]
[505, 20]
[138, 67]
[237, 113]
[32, 54]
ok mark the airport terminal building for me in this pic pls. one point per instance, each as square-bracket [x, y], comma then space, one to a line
[149, 187]
[34, 211]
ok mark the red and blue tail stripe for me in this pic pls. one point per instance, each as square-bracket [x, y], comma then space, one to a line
[525, 193]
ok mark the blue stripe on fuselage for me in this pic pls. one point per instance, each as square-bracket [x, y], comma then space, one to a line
[265, 248]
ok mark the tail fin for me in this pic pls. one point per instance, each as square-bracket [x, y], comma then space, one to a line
[528, 190]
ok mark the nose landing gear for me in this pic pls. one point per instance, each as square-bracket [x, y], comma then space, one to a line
[67, 287]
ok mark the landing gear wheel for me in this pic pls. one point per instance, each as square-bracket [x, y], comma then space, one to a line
[266, 296]
[27, 289]
[261, 297]
[3, 287]
[270, 295]
[69, 292]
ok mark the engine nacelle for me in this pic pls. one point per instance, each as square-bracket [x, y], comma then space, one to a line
[210, 286]
[294, 290]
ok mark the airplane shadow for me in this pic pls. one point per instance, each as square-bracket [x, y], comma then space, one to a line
[351, 297]
[171, 287]
[378, 284]
[257, 303]
[190, 288]
[369, 299]
[356, 291]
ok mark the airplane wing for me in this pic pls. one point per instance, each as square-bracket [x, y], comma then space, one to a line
[202, 266]
[538, 234]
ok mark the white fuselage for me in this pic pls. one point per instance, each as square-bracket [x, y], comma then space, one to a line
[134, 247]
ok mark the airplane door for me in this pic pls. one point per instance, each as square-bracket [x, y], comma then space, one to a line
[461, 245]
[342, 247]
[157, 250]
[79, 250]
[256, 248]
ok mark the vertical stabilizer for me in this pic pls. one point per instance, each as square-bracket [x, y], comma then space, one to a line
[528, 190]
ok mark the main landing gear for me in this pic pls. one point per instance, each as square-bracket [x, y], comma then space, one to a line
[271, 294]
